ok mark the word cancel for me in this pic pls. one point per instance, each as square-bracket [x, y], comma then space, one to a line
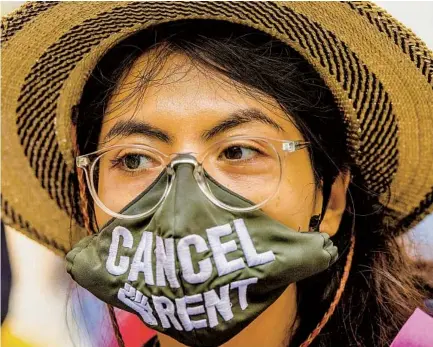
[157, 258]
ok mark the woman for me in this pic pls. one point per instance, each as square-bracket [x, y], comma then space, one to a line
[244, 170]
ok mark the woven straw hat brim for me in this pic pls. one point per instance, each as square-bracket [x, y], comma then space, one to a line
[379, 71]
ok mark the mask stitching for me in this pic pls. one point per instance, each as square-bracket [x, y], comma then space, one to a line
[179, 272]
[92, 237]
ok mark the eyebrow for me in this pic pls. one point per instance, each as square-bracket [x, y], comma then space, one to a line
[132, 127]
[238, 118]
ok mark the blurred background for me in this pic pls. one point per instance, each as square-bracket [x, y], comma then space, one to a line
[46, 309]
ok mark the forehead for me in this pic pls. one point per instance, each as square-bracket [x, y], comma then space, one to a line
[182, 97]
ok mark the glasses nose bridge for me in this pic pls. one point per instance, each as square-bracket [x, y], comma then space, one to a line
[182, 158]
[174, 155]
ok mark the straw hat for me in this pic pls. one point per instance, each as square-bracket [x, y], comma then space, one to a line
[379, 71]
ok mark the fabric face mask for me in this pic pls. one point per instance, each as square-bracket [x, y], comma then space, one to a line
[193, 270]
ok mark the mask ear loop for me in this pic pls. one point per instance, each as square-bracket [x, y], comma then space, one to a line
[84, 207]
[317, 219]
[341, 287]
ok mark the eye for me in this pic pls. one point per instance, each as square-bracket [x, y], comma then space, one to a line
[134, 162]
[239, 153]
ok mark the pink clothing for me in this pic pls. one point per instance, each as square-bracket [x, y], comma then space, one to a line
[416, 332]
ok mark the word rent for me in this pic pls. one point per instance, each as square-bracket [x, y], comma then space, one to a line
[160, 259]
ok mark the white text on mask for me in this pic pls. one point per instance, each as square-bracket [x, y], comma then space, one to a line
[164, 251]
[176, 313]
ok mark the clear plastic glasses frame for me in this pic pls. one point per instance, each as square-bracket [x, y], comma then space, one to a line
[89, 161]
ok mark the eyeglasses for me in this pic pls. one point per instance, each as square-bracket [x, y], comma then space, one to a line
[248, 166]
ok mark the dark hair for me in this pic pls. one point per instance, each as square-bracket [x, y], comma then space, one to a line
[382, 290]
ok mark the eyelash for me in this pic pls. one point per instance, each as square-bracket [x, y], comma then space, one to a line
[118, 161]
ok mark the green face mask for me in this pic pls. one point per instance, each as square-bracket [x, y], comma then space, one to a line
[192, 270]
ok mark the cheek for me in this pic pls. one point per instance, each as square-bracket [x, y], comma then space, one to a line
[101, 216]
[115, 196]
[294, 203]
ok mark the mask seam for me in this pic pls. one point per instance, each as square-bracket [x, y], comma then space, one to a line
[174, 234]
[92, 238]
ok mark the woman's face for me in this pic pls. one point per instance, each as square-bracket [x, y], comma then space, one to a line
[187, 103]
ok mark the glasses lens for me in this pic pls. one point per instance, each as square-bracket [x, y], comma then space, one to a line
[121, 174]
[249, 167]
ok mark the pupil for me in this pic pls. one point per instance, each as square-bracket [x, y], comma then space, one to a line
[132, 161]
[233, 153]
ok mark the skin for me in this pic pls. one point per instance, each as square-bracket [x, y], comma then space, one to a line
[186, 104]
